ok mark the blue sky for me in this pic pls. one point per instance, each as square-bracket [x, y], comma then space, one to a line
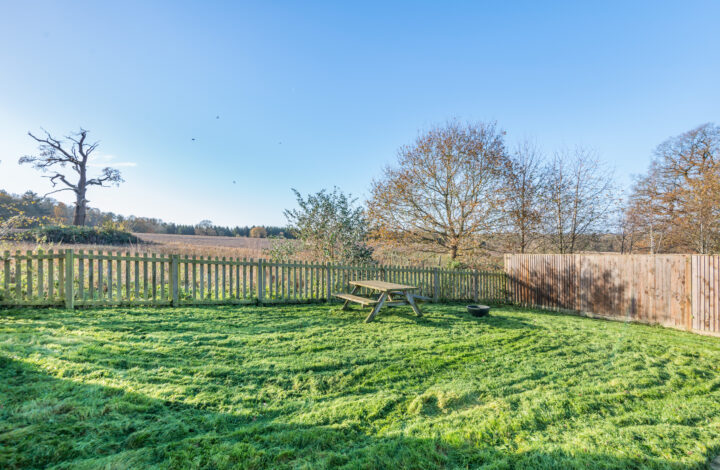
[315, 94]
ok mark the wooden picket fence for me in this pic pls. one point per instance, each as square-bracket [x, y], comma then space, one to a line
[98, 278]
[679, 291]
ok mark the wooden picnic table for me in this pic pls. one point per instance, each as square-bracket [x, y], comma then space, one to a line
[389, 292]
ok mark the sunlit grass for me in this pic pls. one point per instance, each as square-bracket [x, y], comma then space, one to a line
[314, 387]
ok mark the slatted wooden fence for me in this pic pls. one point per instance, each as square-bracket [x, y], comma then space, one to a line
[705, 294]
[86, 278]
[680, 291]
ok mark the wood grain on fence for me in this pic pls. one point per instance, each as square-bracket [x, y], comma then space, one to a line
[680, 291]
[706, 293]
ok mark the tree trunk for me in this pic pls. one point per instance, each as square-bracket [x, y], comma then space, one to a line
[80, 210]
[80, 201]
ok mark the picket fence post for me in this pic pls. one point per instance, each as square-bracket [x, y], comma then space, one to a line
[174, 278]
[436, 281]
[507, 286]
[475, 285]
[69, 279]
[688, 301]
[261, 281]
[328, 277]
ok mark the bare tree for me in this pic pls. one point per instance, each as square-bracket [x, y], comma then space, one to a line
[524, 197]
[578, 196]
[678, 201]
[55, 155]
[644, 216]
[205, 227]
[444, 192]
[627, 229]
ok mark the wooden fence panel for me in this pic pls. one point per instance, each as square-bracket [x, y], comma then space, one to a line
[706, 293]
[31, 278]
[680, 291]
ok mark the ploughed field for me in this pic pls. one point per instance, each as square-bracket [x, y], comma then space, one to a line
[190, 245]
[203, 240]
[314, 387]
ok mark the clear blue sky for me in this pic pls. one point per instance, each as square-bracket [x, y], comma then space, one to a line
[312, 95]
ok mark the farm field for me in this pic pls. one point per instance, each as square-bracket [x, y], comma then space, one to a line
[314, 387]
[200, 245]
[191, 245]
[206, 240]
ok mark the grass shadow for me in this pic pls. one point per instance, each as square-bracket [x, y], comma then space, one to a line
[49, 421]
[448, 316]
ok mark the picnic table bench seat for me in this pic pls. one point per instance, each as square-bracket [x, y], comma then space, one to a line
[356, 298]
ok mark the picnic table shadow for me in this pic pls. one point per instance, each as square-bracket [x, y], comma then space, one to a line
[89, 426]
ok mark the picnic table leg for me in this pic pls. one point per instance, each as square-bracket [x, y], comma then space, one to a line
[345, 305]
[397, 297]
[411, 300]
[377, 307]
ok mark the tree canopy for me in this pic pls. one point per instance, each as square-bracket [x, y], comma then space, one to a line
[441, 195]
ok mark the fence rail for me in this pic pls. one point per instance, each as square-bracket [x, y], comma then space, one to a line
[680, 291]
[98, 278]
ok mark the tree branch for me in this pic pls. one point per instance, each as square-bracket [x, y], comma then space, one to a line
[57, 191]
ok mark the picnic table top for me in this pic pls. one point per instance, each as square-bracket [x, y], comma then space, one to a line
[382, 285]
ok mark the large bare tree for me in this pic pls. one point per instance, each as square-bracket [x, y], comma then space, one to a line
[443, 194]
[75, 152]
[578, 193]
[649, 224]
[678, 200]
[523, 192]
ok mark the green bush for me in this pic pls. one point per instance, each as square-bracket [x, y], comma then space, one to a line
[84, 235]
[458, 265]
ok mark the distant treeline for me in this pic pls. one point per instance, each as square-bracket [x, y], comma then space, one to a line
[45, 210]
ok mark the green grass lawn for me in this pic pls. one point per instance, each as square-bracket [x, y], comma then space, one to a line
[315, 387]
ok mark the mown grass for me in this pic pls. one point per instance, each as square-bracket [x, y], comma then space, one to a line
[314, 387]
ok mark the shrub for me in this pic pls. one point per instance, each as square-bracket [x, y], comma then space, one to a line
[282, 249]
[85, 235]
[258, 232]
[458, 265]
[332, 226]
